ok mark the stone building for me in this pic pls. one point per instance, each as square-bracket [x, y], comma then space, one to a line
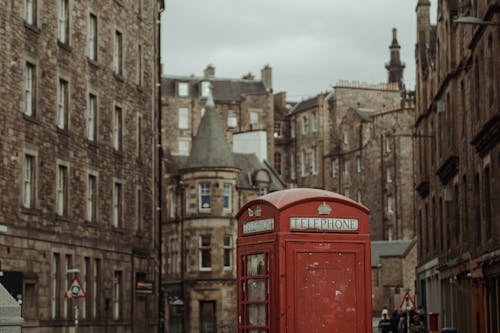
[77, 162]
[357, 140]
[203, 192]
[457, 164]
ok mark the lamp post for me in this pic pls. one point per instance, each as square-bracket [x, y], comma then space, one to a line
[474, 21]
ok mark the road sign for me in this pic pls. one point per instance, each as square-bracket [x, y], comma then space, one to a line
[408, 303]
[75, 289]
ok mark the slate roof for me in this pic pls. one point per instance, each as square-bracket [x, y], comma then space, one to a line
[305, 105]
[223, 89]
[395, 248]
[210, 148]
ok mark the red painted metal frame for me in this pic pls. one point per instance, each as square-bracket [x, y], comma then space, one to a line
[284, 247]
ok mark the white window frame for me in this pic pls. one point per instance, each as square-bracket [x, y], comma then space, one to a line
[183, 146]
[92, 194]
[139, 208]
[314, 160]
[227, 192]
[292, 128]
[62, 188]
[345, 137]
[254, 118]
[232, 119]
[92, 117]
[93, 37]
[347, 193]
[29, 180]
[292, 165]
[117, 294]
[346, 166]
[277, 130]
[314, 122]
[358, 164]
[64, 13]
[139, 137]
[389, 175]
[228, 250]
[29, 89]
[171, 208]
[117, 203]
[117, 127]
[305, 124]
[63, 104]
[30, 12]
[204, 88]
[140, 66]
[118, 53]
[303, 164]
[183, 122]
[390, 204]
[204, 190]
[387, 145]
[183, 89]
[203, 248]
[335, 165]
[359, 196]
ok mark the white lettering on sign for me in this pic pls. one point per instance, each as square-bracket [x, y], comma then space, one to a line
[327, 224]
[258, 226]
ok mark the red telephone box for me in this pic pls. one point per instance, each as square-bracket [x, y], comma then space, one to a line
[304, 264]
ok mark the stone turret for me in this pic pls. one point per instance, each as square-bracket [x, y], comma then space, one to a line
[395, 67]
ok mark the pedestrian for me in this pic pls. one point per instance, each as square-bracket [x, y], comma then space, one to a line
[385, 325]
[395, 320]
[401, 325]
[384, 311]
[417, 326]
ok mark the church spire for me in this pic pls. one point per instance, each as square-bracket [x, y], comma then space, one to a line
[395, 67]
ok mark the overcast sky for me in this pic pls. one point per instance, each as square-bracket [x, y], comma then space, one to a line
[310, 44]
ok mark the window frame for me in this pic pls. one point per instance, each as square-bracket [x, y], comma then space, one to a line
[183, 118]
[202, 249]
[63, 22]
[31, 12]
[29, 192]
[92, 116]
[305, 124]
[117, 128]
[228, 252]
[63, 104]
[93, 37]
[117, 212]
[118, 52]
[183, 89]
[204, 190]
[62, 189]
[30, 89]
[314, 121]
[232, 119]
[227, 194]
[92, 196]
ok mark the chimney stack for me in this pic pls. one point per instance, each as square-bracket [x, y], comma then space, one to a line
[209, 72]
[267, 77]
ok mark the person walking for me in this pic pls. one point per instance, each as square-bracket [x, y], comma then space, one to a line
[385, 325]
[401, 325]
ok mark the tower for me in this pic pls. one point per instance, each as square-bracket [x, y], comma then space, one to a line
[395, 67]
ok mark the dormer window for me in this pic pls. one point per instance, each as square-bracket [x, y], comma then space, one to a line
[232, 120]
[205, 88]
[183, 89]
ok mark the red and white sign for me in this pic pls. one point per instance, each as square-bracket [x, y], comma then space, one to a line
[408, 303]
[75, 289]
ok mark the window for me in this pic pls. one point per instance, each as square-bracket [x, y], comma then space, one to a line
[277, 163]
[55, 294]
[183, 118]
[117, 128]
[96, 282]
[68, 264]
[62, 190]
[204, 197]
[389, 175]
[29, 181]
[314, 161]
[171, 194]
[63, 26]
[232, 119]
[208, 322]
[227, 198]
[387, 145]
[228, 252]
[118, 53]
[91, 197]
[139, 65]
[92, 118]
[139, 136]
[335, 166]
[30, 15]
[261, 191]
[93, 37]
[183, 89]
[359, 196]
[29, 89]
[183, 147]
[62, 107]
[302, 163]
[117, 294]
[358, 164]
[277, 130]
[138, 209]
[292, 128]
[205, 88]
[345, 137]
[346, 167]
[314, 122]
[390, 204]
[347, 193]
[254, 118]
[204, 250]
[305, 124]
[292, 165]
[117, 204]
[255, 301]
[86, 286]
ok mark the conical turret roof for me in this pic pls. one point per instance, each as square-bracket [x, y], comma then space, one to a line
[210, 147]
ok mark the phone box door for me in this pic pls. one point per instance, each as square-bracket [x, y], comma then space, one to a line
[326, 288]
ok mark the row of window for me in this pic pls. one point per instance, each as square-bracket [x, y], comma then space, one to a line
[204, 199]
[63, 111]
[30, 175]
[232, 118]
[91, 279]
[306, 122]
[64, 33]
[183, 89]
